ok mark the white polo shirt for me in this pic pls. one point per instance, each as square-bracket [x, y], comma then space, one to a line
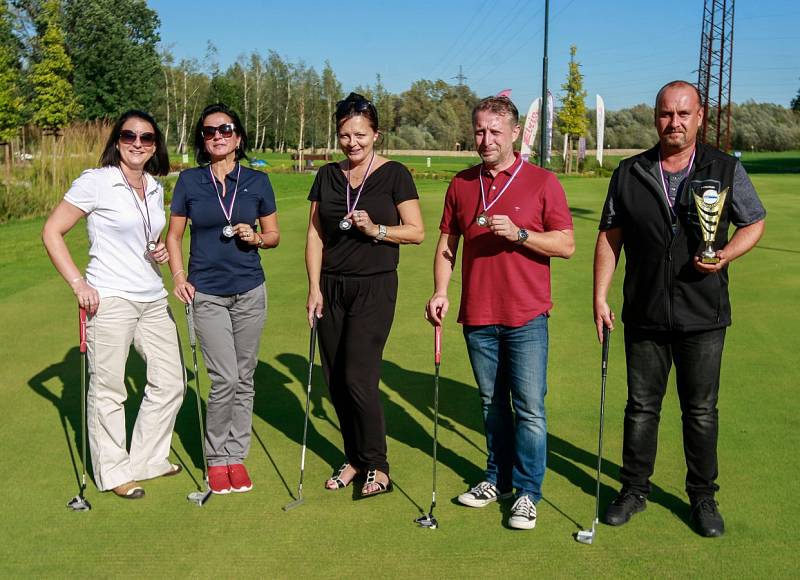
[118, 262]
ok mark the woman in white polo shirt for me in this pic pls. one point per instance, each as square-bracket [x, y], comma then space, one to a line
[125, 299]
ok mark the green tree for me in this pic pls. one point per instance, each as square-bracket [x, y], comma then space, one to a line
[572, 120]
[54, 103]
[112, 44]
[11, 101]
[796, 102]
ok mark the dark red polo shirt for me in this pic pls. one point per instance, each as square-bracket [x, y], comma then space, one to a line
[502, 282]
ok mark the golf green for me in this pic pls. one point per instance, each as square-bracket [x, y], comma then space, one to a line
[330, 535]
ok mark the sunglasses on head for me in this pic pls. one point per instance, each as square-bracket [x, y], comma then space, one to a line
[127, 137]
[225, 131]
[359, 106]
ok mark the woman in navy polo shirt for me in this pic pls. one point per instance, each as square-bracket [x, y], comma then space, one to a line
[222, 201]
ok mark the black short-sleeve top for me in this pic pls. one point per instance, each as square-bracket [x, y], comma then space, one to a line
[349, 252]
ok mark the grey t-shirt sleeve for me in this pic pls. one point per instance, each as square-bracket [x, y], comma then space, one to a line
[612, 209]
[746, 207]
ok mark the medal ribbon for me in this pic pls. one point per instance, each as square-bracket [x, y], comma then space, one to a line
[502, 191]
[360, 188]
[148, 230]
[229, 212]
[665, 182]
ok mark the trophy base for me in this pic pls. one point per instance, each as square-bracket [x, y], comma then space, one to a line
[709, 260]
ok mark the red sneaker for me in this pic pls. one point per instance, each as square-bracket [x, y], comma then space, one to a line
[218, 479]
[240, 480]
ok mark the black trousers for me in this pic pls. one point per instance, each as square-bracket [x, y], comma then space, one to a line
[697, 357]
[356, 319]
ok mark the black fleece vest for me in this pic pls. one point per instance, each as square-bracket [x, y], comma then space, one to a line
[662, 290]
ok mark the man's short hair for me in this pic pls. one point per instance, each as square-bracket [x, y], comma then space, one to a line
[498, 106]
[678, 83]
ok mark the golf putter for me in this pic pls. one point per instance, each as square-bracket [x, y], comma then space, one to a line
[199, 497]
[299, 501]
[79, 503]
[587, 536]
[428, 521]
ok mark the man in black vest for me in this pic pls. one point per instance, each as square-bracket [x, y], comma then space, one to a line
[676, 307]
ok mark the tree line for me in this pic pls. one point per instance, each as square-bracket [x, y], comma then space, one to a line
[86, 60]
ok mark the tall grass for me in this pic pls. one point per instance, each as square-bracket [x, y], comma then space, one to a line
[34, 186]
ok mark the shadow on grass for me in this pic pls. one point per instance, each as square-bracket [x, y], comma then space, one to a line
[583, 214]
[67, 374]
[775, 164]
[399, 424]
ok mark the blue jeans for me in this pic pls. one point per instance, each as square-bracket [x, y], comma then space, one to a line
[510, 367]
[697, 357]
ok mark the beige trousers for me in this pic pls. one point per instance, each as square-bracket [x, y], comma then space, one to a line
[110, 332]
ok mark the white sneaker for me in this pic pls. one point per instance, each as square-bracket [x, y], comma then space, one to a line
[482, 495]
[523, 514]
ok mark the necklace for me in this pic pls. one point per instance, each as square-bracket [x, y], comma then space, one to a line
[148, 230]
[227, 231]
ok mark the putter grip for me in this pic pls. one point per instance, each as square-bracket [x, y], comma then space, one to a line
[82, 328]
[606, 344]
[190, 324]
[437, 344]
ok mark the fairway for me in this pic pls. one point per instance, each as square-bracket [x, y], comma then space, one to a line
[248, 535]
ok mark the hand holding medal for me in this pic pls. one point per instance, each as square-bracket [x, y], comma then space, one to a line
[247, 234]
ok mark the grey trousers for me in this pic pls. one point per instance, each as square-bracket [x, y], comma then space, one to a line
[150, 328]
[229, 329]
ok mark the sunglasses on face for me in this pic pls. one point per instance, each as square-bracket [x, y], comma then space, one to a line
[225, 131]
[127, 137]
[347, 105]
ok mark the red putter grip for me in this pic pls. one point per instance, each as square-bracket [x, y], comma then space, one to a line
[437, 344]
[82, 328]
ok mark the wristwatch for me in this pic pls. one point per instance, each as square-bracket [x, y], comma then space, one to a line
[382, 231]
[522, 235]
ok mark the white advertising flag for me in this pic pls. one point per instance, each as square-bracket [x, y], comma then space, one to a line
[601, 128]
[550, 108]
[531, 123]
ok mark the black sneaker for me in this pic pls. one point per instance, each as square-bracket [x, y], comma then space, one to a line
[523, 514]
[706, 519]
[482, 495]
[622, 509]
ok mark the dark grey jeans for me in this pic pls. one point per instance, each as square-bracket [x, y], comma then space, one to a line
[229, 329]
[697, 357]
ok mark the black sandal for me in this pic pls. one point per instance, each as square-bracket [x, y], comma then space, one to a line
[337, 478]
[372, 479]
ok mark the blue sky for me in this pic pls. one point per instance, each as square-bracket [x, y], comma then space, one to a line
[627, 49]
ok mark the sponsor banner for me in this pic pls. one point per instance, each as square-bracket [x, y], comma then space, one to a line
[601, 127]
[529, 132]
[550, 108]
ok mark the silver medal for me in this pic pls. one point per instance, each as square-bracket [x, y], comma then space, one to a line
[483, 220]
[227, 231]
[345, 225]
[151, 246]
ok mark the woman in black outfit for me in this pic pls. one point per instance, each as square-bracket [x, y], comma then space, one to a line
[362, 208]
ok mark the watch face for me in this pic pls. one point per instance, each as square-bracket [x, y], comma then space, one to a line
[522, 235]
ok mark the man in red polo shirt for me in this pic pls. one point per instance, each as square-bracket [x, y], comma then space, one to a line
[513, 217]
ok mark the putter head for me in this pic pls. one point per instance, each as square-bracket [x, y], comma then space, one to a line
[79, 504]
[293, 504]
[199, 498]
[427, 521]
[585, 536]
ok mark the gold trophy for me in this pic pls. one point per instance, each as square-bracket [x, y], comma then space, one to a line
[709, 201]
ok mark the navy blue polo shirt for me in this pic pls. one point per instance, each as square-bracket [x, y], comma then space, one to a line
[218, 265]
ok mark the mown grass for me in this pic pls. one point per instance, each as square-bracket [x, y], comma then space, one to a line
[249, 535]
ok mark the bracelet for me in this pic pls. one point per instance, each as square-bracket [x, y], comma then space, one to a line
[178, 273]
[260, 242]
[71, 282]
